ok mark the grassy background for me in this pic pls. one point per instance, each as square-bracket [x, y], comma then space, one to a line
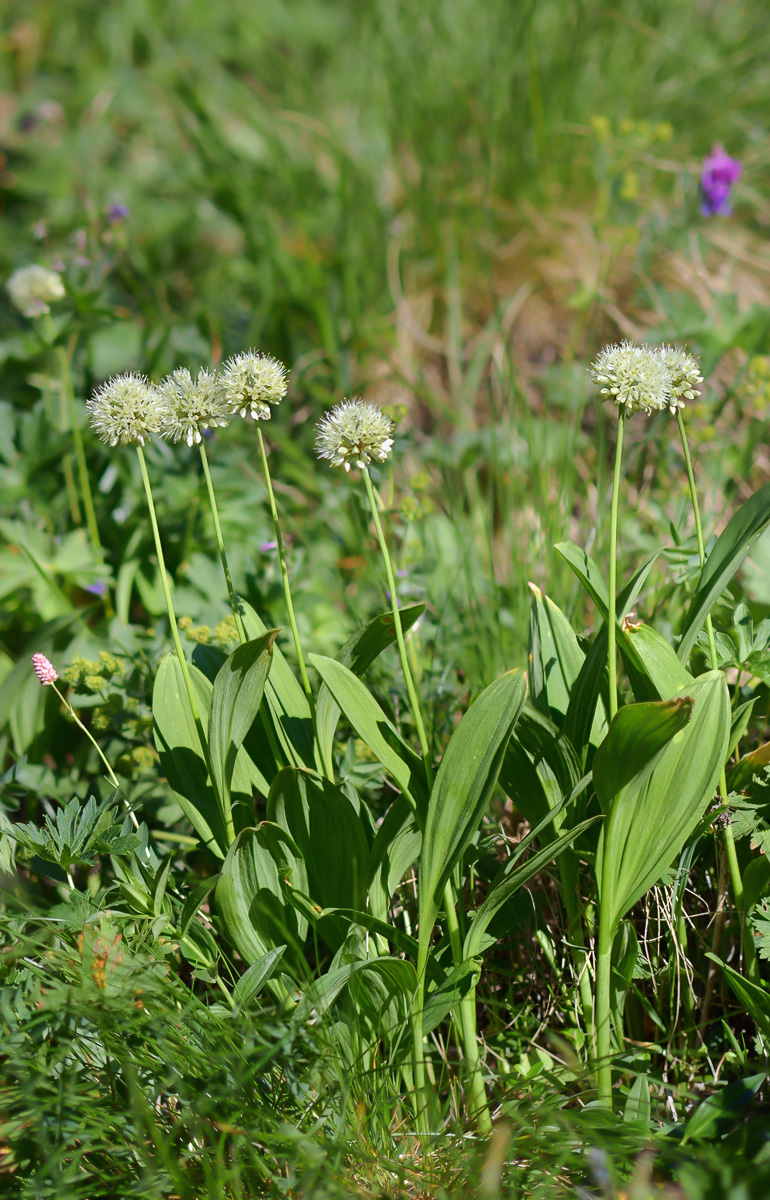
[446, 207]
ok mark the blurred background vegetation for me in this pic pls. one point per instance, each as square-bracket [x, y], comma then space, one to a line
[442, 205]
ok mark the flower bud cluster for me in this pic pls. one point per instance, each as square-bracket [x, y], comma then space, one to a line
[646, 379]
[128, 408]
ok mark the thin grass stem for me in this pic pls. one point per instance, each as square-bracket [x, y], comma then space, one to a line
[110, 773]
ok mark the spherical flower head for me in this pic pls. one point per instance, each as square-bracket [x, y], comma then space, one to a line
[354, 433]
[635, 378]
[190, 405]
[126, 410]
[251, 382]
[33, 290]
[44, 669]
[685, 373]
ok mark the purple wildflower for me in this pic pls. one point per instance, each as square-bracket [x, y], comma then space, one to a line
[97, 588]
[266, 547]
[116, 213]
[718, 174]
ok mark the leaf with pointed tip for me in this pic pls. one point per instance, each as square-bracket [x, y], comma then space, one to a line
[729, 551]
[236, 697]
[358, 654]
[654, 797]
[373, 727]
[464, 785]
[250, 898]
[254, 979]
[287, 702]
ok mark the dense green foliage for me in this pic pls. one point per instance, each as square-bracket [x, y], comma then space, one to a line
[408, 913]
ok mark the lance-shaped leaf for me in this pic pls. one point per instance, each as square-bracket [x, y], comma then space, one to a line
[373, 727]
[463, 788]
[181, 755]
[287, 702]
[395, 848]
[729, 551]
[358, 654]
[250, 899]
[655, 774]
[328, 831]
[237, 695]
[650, 656]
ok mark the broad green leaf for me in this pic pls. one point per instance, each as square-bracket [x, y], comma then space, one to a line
[590, 576]
[747, 767]
[555, 658]
[328, 832]
[252, 981]
[395, 848]
[649, 655]
[729, 551]
[741, 718]
[256, 916]
[181, 756]
[634, 744]
[373, 727]
[322, 993]
[292, 719]
[653, 797]
[724, 1110]
[638, 1101]
[463, 788]
[358, 654]
[508, 881]
[237, 695]
[753, 997]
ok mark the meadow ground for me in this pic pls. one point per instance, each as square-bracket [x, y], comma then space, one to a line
[211, 978]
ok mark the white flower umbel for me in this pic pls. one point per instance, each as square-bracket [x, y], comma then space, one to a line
[251, 382]
[634, 378]
[685, 374]
[33, 289]
[189, 405]
[354, 434]
[125, 411]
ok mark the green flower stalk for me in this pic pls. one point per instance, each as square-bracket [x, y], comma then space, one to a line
[355, 434]
[249, 384]
[127, 411]
[636, 380]
[190, 406]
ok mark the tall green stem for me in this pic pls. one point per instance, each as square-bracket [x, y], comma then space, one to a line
[736, 882]
[601, 1031]
[230, 828]
[285, 572]
[603, 979]
[612, 665]
[471, 1055]
[221, 546]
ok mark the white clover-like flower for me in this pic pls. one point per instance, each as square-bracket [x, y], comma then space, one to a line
[251, 382]
[33, 289]
[354, 433]
[125, 410]
[685, 373]
[189, 405]
[635, 378]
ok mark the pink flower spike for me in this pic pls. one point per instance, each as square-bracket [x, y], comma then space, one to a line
[45, 670]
